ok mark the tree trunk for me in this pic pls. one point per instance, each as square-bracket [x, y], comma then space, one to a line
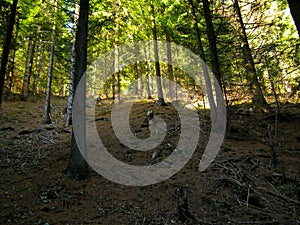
[31, 66]
[212, 41]
[6, 46]
[139, 86]
[72, 71]
[116, 76]
[295, 11]
[161, 100]
[208, 84]
[258, 100]
[170, 68]
[25, 87]
[197, 31]
[47, 109]
[12, 66]
[77, 167]
[149, 72]
[39, 63]
[113, 86]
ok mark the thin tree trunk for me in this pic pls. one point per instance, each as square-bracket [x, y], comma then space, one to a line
[258, 99]
[149, 72]
[117, 74]
[161, 100]
[6, 46]
[119, 86]
[113, 86]
[170, 68]
[47, 108]
[12, 66]
[270, 77]
[72, 71]
[212, 42]
[138, 88]
[77, 166]
[39, 63]
[208, 84]
[25, 88]
[197, 31]
[31, 65]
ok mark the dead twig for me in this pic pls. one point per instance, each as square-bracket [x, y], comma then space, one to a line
[279, 195]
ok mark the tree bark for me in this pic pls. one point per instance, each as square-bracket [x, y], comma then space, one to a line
[149, 72]
[39, 63]
[47, 108]
[170, 67]
[258, 100]
[77, 166]
[12, 66]
[138, 84]
[197, 31]
[295, 11]
[161, 100]
[31, 65]
[25, 87]
[72, 71]
[212, 40]
[208, 83]
[6, 46]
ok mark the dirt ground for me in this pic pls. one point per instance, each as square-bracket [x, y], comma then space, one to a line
[244, 185]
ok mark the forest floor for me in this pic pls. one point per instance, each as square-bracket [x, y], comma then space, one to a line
[243, 185]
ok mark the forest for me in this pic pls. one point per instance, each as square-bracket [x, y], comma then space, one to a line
[150, 112]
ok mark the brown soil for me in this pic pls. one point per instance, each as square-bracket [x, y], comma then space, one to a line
[244, 185]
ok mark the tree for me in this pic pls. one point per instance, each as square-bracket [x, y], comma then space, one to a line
[72, 70]
[170, 67]
[6, 46]
[212, 40]
[39, 64]
[77, 166]
[29, 58]
[258, 99]
[47, 108]
[161, 100]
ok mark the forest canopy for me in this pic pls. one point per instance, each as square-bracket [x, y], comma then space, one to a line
[256, 43]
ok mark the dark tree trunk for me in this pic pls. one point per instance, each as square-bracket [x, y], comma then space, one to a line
[161, 100]
[116, 77]
[149, 72]
[295, 11]
[258, 100]
[25, 87]
[170, 68]
[6, 46]
[77, 167]
[30, 74]
[39, 63]
[113, 86]
[197, 31]
[212, 40]
[12, 66]
[207, 79]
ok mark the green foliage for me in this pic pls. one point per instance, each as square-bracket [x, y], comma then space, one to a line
[270, 29]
